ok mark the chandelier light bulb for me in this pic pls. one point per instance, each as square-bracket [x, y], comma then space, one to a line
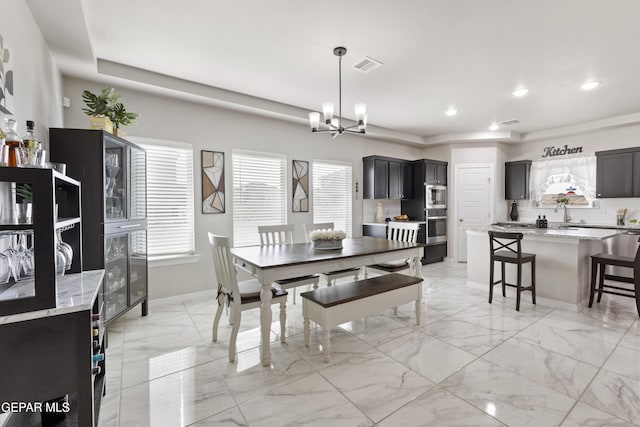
[361, 112]
[314, 120]
[327, 111]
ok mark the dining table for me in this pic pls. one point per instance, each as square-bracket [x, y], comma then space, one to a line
[277, 262]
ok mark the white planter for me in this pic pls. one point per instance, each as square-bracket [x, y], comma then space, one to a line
[327, 244]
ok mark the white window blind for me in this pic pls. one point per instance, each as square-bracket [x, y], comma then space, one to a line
[259, 194]
[332, 194]
[170, 224]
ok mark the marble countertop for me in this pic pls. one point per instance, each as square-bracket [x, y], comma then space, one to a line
[74, 292]
[570, 233]
[580, 224]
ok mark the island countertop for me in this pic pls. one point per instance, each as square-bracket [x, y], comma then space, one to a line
[567, 233]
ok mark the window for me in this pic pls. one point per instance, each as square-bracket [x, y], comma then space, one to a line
[169, 197]
[332, 194]
[259, 194]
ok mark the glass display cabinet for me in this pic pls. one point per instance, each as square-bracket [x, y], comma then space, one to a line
[113, 175]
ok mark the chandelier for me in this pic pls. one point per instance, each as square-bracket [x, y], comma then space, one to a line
[333, 125]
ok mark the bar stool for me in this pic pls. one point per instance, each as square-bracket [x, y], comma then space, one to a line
[502, 251]
[601, 261]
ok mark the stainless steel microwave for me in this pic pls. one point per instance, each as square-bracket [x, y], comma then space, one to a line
[436, 197]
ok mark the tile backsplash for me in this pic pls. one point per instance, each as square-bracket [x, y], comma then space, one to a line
[604, 211]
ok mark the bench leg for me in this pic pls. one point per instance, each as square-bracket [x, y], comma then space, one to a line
[307, 331]
[504, 280]
[418, 312]
[491, 279]
[326, 344]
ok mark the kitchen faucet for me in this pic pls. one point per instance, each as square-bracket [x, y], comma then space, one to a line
[566, 218]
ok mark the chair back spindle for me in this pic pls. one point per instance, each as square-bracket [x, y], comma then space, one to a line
[275, 234]
[403, 232]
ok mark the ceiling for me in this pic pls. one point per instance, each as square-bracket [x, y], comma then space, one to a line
[437, 54]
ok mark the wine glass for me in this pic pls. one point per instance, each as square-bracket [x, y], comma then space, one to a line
[65, 249]
[5, 269]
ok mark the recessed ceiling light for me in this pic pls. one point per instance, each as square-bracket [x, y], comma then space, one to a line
[589, 85]
[451, 112]
[494, 126]
[520, 92]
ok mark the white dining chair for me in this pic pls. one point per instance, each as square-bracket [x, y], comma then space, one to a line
[283, 235]
[238, 296]
[402, 232]
[330, 275]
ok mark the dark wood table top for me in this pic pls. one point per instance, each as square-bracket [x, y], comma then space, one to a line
[298, 253]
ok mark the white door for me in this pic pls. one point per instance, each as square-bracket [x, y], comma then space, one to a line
[474, 198]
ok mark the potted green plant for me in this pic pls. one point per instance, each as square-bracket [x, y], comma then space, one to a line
[107, 111]
[24, 205]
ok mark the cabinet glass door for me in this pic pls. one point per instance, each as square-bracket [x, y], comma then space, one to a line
[138, 266]
[115, 180]
[116, 273]
[138, 177]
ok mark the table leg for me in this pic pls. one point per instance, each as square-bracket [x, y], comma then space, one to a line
[326, 344]
[417, 265]
[265, 323]
[307, 331]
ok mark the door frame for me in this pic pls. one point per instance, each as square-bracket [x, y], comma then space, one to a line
[492, 189]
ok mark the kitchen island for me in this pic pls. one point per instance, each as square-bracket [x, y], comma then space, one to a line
[562, 263]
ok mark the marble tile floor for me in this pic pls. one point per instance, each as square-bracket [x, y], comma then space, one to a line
[469, 363]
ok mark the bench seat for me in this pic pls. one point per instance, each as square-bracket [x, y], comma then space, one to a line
[330, 307]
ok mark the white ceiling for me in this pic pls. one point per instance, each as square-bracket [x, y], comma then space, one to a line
[469, 54]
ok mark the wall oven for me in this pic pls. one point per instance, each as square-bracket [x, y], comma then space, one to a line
[436, 197]
[436, 226]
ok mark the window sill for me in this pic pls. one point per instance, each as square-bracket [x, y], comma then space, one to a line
[162, 261]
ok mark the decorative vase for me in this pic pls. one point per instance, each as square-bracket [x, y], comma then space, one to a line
[379, 213]
[514, 211]
[327, 244]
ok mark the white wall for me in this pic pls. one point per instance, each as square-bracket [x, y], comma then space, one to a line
[37, 81]
[211, 128]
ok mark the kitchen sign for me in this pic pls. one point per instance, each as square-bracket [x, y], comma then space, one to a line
[560, 151]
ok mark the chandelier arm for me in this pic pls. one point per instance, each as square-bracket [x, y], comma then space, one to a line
[352, 127]
[349, 130]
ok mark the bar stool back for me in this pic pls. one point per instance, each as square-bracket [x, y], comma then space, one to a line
[506, 248]
[601, 261]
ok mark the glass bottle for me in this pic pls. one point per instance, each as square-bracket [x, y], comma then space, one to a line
[15, 148]
[32, 146]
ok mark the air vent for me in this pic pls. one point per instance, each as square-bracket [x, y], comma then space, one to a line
[367, 64]
[510, 122]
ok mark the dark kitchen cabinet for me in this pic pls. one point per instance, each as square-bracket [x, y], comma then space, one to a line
[375, 230]
[384, 177]
[618, 173]
[516, 180]
[435, 172]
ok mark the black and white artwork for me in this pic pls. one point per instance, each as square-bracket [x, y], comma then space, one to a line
[6, 77]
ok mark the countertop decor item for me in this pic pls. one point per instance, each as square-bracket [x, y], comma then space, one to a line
[333, 125]
[379, 213]
[620, 214]
[514, 211]
[327, 239]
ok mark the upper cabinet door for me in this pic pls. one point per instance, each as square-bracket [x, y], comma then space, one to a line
[516, 180]
[614, 175]
[435, 173]
[395, 180]
[138, 180]
[115, 180]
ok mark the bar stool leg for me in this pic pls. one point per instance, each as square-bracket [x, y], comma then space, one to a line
[601, 284]
[519, 286]
[504, 281]
[594, 273]
[533, 280]
[491, 269]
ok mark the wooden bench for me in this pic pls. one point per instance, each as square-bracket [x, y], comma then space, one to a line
[330, 307]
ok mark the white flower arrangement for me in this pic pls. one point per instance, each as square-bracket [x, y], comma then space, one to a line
[327, 235]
